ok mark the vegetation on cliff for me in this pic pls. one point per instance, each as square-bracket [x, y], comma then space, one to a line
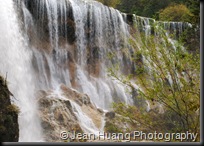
[9, 130]
[170, 81]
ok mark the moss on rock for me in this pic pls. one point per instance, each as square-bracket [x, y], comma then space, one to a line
[9, 129]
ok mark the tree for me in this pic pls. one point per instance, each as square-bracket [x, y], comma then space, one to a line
[194, 7]
[171, 78]
[110, 3]
[175, 13]
[146, 8]
[191, 36]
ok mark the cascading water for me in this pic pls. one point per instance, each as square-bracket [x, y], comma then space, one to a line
[86, 63]
[71, 42]
[86, 123]
[16, 63]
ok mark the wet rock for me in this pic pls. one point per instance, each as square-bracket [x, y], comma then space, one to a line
[56, 116]
[57, 113]
[71, 28]
[9, 128]
[130, 19]
[110, 115]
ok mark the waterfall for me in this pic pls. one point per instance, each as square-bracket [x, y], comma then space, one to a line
[75, 46]
[16, 63]
[47, 43]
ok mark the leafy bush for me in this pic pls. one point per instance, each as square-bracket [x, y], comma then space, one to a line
[179, 13]
[110, 3]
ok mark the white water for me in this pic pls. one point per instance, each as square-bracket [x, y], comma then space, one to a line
[101, 90]
[86, 123]
[16, 63]
[107, 30]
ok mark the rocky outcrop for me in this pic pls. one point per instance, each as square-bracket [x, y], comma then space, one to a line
[9, 129]
[58, 114]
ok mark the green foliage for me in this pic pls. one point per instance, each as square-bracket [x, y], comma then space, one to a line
[153, 8]
[148, 8]
[189, 9]
[110, 3]
[194, 7]
[145, 121]
[112, 128]
[165, 10]
[191, 39]
[178, 13]
[191, 36]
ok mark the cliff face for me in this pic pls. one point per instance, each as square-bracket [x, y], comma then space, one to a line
[9, 130]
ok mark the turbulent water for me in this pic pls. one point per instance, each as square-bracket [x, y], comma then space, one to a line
[16, 63]
[46, 43]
